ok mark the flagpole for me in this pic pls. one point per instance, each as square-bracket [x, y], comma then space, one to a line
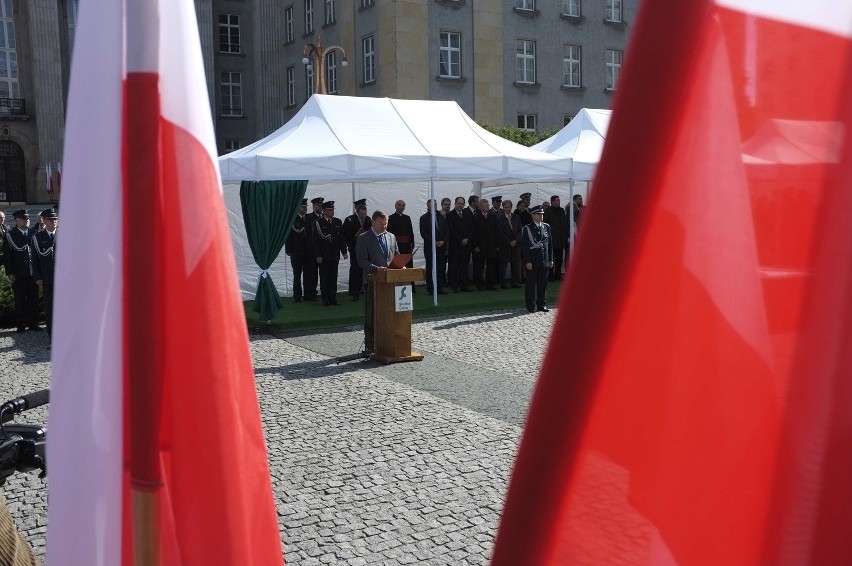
[146, 527]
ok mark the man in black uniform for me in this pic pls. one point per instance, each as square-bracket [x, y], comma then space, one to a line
[296, 248]
[354, 225]
[328, 245]
[43, 253]
[440, 238]
[460, 224]
[485, 248]
[537, 256]
[399, 224]
[311, 267]
[19, 269]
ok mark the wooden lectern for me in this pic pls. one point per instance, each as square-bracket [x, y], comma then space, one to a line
[392, 329]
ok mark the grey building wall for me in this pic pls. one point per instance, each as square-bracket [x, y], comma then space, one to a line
[454, 17]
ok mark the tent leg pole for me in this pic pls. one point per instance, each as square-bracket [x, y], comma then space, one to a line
[434, 250]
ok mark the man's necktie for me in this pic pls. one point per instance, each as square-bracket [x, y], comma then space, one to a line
[383, 244]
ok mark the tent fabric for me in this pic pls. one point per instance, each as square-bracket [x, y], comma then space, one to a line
[269, 208]
[343, 138]
[795, 142]
[582, 139]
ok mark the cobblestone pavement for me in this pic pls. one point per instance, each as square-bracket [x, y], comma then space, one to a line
[370, 464]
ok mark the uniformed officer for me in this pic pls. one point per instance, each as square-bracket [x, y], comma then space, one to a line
[328, 246]
[43, 253]
[19, 268]
[310, 265]
[537, 256]
[296, 247]
[353, 226]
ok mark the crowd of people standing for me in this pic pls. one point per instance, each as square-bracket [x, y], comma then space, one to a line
[478, 244]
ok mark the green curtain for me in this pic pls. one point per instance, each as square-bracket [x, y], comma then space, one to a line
[269, 209]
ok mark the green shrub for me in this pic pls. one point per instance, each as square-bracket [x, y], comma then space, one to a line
[523, 137]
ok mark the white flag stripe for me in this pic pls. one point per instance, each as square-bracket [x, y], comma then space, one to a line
[142, 45]
[831, 16]
[85, 441]
[184, 100]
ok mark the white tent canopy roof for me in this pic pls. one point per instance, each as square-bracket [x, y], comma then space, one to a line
[582, 139]
[343, 138]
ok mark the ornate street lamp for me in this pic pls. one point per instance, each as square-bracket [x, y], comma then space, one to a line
[314, 52]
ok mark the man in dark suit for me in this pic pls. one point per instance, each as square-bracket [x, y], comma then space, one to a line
[555, 218]
[354, 225]
[399, 224]
[17, 255]
[376, 249]
[460, 225]
[328, 246]
[440, 237]
[484, 248]
[296, 247]
[508, 251]
[537, 256]
[311, 266]
[43, 254]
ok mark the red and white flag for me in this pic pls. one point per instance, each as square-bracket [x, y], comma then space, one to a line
[694, 404]
[59, 177]
[154, 421]
[48, 177]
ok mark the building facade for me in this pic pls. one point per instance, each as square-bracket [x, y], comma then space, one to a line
[525, 63]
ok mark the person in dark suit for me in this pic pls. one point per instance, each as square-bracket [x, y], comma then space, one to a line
[537, 255]
[353, 225]
[460, 226]
[440, 236]
[556, 219]
[17, 255]
[43, 253]
[399, 224]
[296, 247]
[328, 246]
[523, 212]
[310, 263]
[508, 250]
[376, 249]
[484, 248]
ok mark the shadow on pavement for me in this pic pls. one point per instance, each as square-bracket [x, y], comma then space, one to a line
[33, 345]
[321, 368]
[481, 319]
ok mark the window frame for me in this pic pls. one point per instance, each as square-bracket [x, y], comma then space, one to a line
[568, 62]
[330, 12]
[309, 17]
[291, 85]
[366, 3]
[289, 25]
[331, 72]
[613, 68]
[567, 8]
[614, 11]
[526, 5]
[310, 81]
[526, 58]
[451, 53]
[526, 119]
[228, 28]
[368, 59]
[234, 145]
[229, 91]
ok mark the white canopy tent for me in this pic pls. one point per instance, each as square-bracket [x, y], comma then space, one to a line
[339, 141]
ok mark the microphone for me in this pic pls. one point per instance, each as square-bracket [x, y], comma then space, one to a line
[29, 401]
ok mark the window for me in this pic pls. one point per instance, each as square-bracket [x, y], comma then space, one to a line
[71, 15]
[450, 55]
[309, 16]
[526, 122]
[309, 80]
[614, 58]
[291, 86]
[368, 58]
[232, 95]
[566, 119]
[367, 3]
[331, 72]
[289, 35]
[229, 33]
[525, 62]
[9, 86]
[329, 12]
[525, 4]
[571, 8]
[232, 145]
[613, 11]
[571, 66]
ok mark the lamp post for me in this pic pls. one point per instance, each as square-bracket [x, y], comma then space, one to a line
[315, 52]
